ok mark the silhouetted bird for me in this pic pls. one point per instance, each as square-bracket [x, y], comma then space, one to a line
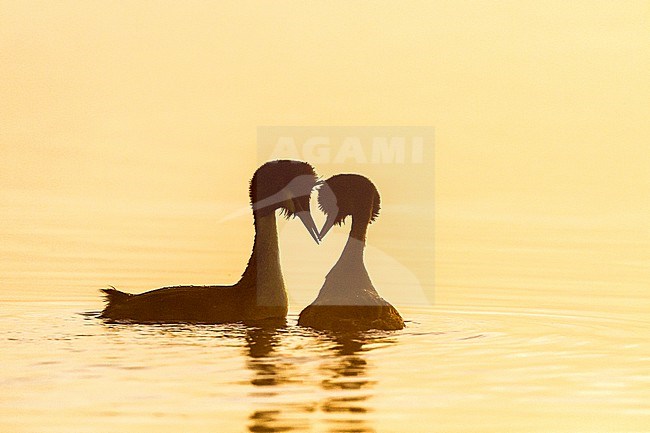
[260, 293]
[348, 300]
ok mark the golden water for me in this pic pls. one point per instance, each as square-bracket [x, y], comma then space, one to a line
[532, 324]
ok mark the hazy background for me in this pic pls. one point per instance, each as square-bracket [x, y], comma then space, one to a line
[128, 129]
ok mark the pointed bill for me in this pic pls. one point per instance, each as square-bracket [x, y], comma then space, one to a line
[309, 224]
[329, 223]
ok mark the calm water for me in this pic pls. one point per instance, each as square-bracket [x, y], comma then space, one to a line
[533, 326]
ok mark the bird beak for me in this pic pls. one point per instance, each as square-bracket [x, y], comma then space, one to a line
[309, 224]
[327, 226]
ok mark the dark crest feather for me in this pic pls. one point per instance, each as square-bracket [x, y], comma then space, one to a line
[274, 176]
[343, 195]
[376, 206]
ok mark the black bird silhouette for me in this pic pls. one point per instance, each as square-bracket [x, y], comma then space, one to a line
[260, 293]
[348, 300]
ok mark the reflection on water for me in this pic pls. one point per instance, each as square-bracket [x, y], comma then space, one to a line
[450, 370]
[341, 372]
[347, 377]
[269, 372]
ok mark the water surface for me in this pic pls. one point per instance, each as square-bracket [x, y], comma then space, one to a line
[530, 325]
[449, 370]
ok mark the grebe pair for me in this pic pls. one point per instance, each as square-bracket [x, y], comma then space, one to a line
[347, 300]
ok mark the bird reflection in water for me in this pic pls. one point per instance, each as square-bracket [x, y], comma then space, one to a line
[285, 393]
[270, 372]
[347, 384]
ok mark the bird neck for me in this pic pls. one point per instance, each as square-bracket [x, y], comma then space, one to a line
[352, 255]
[263, 271]
[348, 282]
[359, 229]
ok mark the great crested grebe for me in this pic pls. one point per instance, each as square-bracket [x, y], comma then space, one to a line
[348, 300]
[260, 293]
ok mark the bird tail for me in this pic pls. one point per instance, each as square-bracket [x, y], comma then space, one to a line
[114, 296]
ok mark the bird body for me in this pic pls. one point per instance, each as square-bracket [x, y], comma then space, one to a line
[260, 294]
[348, 299]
